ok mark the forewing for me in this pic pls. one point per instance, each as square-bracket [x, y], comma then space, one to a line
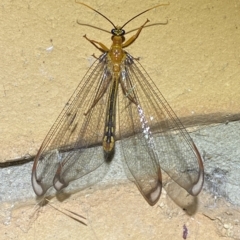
[70, 149]
[154, 135]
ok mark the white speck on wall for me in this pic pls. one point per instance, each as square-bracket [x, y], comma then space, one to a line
[49, 49]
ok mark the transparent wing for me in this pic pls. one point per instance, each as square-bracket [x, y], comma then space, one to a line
[76, 134]
[141, 162]
[154, 135]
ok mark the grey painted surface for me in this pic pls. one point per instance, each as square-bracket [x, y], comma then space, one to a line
[219, 145]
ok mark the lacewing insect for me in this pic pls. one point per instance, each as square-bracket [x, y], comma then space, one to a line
[117, 100]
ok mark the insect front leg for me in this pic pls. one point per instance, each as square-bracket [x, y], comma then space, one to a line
[102, 47]
[134, 37]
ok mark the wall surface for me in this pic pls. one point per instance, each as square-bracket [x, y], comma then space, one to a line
[191, 52]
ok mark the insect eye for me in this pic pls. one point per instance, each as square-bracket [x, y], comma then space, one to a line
[118, 32]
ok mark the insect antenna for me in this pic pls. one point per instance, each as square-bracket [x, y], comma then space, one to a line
[97, 12]
[163, 4]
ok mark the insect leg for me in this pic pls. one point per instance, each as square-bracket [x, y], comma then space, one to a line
[102, 47]
[134, 37]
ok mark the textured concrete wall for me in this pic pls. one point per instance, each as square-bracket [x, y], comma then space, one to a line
[193, 59]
